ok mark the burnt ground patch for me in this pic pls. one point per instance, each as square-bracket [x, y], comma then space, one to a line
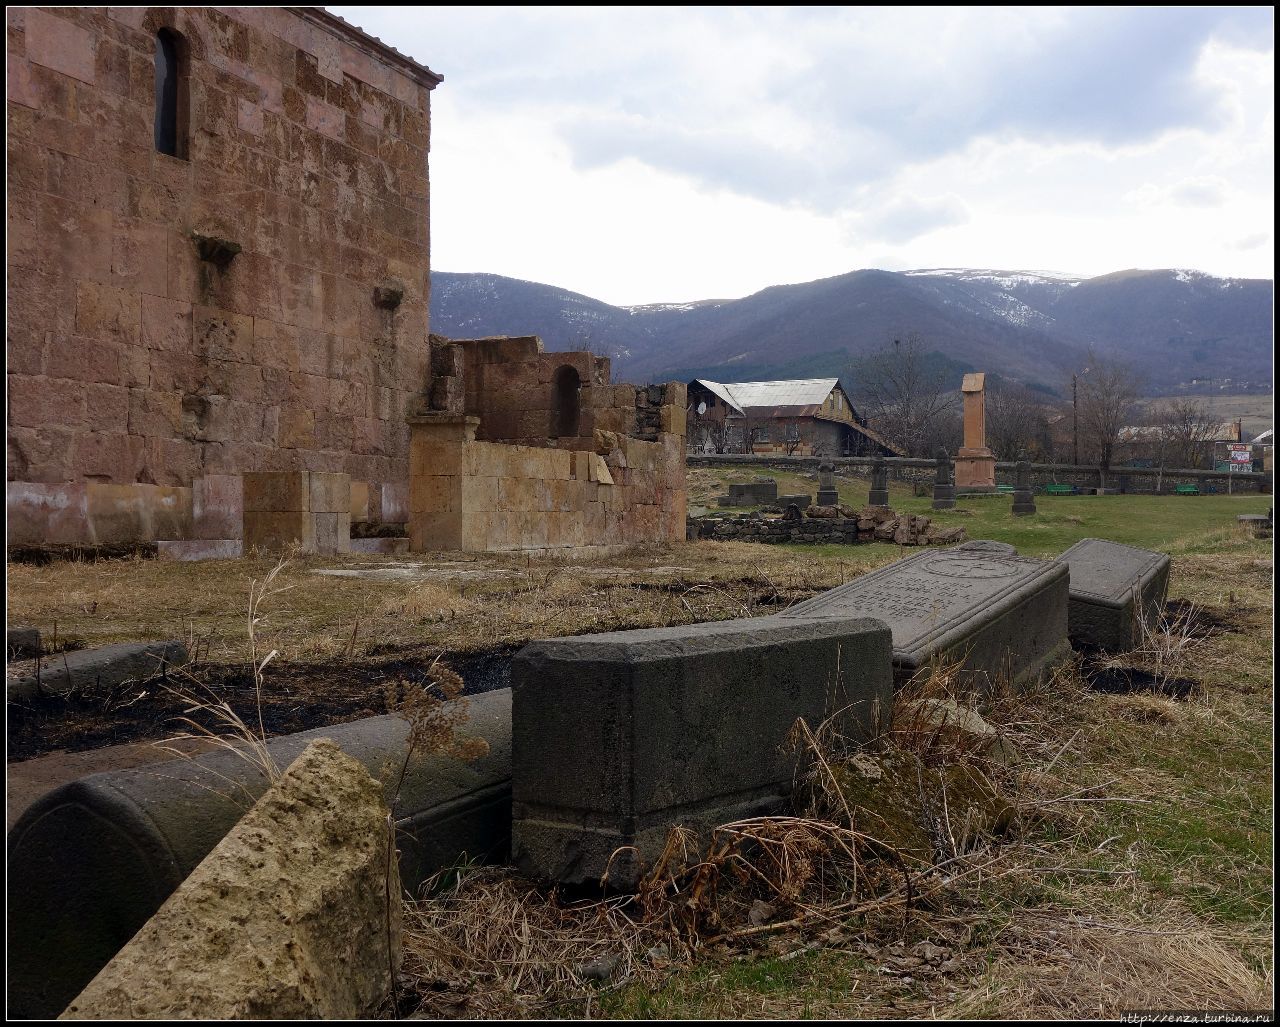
[295, 697]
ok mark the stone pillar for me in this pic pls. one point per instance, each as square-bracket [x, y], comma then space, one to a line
[975, 463]
[944, 489]
[879, 484]
[437, 464]
[1024, 502]
[827, 494]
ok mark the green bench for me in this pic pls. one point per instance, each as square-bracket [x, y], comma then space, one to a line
[1187, 490]
[1004, 488]
[1059, 490]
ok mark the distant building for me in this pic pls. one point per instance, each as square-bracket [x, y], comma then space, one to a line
[800, 417]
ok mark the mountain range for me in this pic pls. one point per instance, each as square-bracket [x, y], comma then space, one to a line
[1173, 326]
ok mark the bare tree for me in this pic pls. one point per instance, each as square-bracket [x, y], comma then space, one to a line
[1181, 434]
[1017, 423]
[907, 401]
[1107, 397]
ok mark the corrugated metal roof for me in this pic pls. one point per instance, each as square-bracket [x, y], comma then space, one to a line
[798, 392]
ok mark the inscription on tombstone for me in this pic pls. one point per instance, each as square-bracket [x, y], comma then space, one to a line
[1115, 591]
[1003, 615]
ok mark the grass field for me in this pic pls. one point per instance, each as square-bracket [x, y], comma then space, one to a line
[1140, 875]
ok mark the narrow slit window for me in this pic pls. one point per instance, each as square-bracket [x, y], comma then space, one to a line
[168, 73]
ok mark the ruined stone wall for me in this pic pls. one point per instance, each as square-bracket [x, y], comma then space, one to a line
[133, 361]
[468, 494]
[512, 386]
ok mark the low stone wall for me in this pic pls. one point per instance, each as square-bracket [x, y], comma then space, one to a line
[911, 469]
[843, 527]
[491, 497]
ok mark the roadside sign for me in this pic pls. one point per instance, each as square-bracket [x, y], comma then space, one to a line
[1241, 453]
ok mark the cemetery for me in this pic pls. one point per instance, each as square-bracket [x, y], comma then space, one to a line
[354, 671]
[717, 650]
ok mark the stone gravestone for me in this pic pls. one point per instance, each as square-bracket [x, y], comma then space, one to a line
[1003, 615]
[753, 493]
[620, 736]
[879, 484]
[827, 494]
[1115, 590]
[944, 489]
[91, 861]
[797, 500]
[1024, 502]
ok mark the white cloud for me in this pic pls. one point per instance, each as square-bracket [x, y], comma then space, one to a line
[661, 154]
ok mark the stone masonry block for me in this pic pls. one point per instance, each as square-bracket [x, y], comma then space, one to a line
[329, 493]
[276, 491]
[273, 531]
[38, 513]
[217, 506]
[360, 501]
[686, 727]
[332, 532]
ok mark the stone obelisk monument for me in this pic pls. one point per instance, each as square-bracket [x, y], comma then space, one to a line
[975, 463]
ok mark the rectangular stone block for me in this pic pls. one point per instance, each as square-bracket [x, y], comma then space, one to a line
[332, 532]
[395, 502]
[1004, 617]
[199, 549]
[360, 501]
[275, 530]
[217, 507]
[618, 737]
[38, 512]
[135, 513]
[380, 546]
[329, 492]
[1115, 590]
[753, 493]
[276, 491]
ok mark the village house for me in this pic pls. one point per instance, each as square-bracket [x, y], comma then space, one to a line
[801, 417]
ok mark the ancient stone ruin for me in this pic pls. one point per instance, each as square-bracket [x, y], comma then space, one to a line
[521, 449]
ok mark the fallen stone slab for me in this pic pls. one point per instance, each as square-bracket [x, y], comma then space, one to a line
[1117, 592]
[296, 914]
[91, 861]
[187, 550]
[620, 736]
[100, 669]
[22, 643]
[1001, 616]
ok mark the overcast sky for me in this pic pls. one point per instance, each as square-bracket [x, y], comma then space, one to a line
[653, 155]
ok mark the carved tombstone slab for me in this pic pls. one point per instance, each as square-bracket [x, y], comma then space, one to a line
[753, 493]
[620, 736]
[1115, 589]
[1004, 615]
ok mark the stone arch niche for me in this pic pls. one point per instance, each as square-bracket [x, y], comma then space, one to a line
[566, 402]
